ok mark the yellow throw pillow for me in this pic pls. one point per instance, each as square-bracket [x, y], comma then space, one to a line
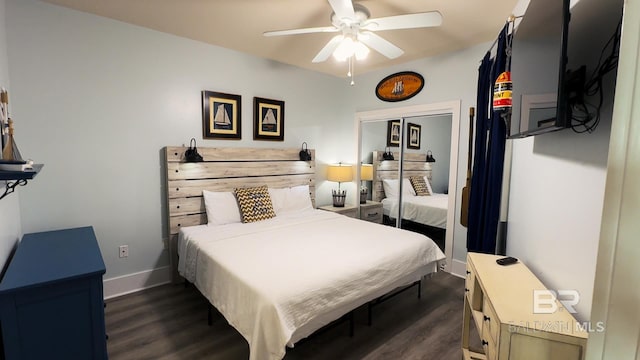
[255, 204]
[419, 185]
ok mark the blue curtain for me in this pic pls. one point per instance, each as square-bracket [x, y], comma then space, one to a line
[488, 162]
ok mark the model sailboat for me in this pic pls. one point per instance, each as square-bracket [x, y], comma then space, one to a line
[395, 133]
[269, 121]
[398, 88]
[221, 120]
[414, 137]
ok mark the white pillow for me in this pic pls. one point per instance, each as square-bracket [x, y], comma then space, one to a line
[426, 179]
[290, 200]
[278, 199]
[391, 187]
[298, 199]
[222, 207]
[407, 188]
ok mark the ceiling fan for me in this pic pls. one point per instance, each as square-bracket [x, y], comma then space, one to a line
[356, 30]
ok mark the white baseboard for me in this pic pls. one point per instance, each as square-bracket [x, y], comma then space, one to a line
[131, 283]
[459, 268]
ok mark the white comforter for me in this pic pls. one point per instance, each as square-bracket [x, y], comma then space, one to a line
[277, 281]
[426, 210]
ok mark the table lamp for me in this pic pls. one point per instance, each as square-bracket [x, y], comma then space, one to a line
[339, 173]
[366, 174]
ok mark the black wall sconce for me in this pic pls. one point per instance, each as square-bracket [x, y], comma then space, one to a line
[191, 154]
[430, 158]
[305, 154]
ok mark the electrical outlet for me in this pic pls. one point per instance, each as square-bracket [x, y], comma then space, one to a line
[124, 251]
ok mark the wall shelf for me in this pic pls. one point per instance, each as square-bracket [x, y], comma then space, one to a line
[17, 178]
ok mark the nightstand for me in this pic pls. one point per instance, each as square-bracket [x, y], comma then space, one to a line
[347, 210]
[371, 211]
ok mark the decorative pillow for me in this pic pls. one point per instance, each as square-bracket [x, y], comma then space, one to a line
[255, 204]
[222, 207]
[419, 185]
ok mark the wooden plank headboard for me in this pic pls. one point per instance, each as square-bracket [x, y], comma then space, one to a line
[414, 165]
[225, 169]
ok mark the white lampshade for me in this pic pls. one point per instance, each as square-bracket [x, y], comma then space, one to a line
[339, 173]
[366, 172]
[349, 47]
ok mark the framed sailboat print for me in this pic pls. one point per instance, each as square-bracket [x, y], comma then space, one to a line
[393, 133]
[413, 134]
[221, 115]
[268, 119]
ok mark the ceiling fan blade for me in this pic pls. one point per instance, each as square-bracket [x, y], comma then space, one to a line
[409, 21]
[343, 9]
[328, 49]
[325, 29]
[380, 45]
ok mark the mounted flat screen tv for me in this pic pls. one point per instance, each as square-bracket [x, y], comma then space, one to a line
[561, 51]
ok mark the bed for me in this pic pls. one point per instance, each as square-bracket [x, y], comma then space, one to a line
[430, 210]
[277, 281]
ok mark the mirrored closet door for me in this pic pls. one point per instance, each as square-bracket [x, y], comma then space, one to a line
[405, 172]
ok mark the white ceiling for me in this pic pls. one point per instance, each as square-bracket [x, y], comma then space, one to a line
[239, 24]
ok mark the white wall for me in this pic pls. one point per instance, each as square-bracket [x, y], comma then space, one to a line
[10, 227]
[96, 100]
[448, 77]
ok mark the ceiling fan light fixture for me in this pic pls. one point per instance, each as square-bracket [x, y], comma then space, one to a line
[345, 50]
[349, 47]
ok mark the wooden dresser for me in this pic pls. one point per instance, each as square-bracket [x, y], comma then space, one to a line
[499, 300]
[51, 301]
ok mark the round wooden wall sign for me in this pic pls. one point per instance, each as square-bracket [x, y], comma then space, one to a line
[400, 86]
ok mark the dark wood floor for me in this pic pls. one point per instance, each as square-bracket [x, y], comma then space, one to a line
[170, 322]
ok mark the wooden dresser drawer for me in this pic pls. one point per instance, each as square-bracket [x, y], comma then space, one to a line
[468, 282]
[490, 348]
[473, 290]
[371, 213]
[491, 323]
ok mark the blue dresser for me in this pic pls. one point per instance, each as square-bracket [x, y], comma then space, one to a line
[51, 302]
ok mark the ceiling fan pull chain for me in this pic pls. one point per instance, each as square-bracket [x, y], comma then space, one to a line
[352, 69]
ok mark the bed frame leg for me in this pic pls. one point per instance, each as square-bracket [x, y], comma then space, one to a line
[209, 314]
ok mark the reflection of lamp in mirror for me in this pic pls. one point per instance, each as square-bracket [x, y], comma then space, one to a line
[339, 173]
[366, 174]
[430, 158]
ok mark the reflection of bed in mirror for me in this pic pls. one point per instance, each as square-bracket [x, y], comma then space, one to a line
[425, 214]
[278, 280]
